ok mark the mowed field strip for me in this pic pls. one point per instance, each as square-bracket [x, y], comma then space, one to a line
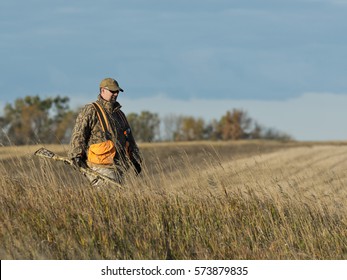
[309, 174]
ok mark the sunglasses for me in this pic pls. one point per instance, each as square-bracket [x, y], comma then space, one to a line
[112, 91]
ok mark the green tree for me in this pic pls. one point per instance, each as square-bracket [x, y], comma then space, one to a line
[145, 126]
[191, 129]
[273, 134]
[63, 120]
[211, 130]
[30, 120]
[257, 131]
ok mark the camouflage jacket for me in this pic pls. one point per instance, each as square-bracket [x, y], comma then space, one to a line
[88, 131]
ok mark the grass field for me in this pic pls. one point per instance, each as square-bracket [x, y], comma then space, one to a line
[203, 200]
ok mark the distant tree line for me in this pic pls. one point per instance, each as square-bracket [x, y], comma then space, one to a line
[33, 120]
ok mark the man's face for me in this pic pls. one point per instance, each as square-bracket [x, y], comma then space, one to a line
[109, 95]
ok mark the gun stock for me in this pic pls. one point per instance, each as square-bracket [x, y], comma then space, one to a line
[44, 153]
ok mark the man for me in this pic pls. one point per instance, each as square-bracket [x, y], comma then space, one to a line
[102, 139]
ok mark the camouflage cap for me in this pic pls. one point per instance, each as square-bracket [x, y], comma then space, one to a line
[110, 84]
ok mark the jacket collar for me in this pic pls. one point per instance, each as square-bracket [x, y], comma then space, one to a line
[110, 106]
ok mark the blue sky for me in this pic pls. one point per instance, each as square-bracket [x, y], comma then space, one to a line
[258, 55]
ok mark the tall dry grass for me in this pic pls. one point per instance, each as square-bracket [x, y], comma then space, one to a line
[202, 201]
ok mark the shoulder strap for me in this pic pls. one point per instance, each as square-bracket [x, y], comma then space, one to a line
[102, 117]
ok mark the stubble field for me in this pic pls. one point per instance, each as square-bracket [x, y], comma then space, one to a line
[206, 200]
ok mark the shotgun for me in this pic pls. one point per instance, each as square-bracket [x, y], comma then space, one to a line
[44, 153]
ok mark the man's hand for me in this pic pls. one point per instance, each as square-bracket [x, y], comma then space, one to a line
[79, 162]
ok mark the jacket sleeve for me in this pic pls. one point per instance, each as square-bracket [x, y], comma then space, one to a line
[134, 151]
[135, 155]
[81, 133]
